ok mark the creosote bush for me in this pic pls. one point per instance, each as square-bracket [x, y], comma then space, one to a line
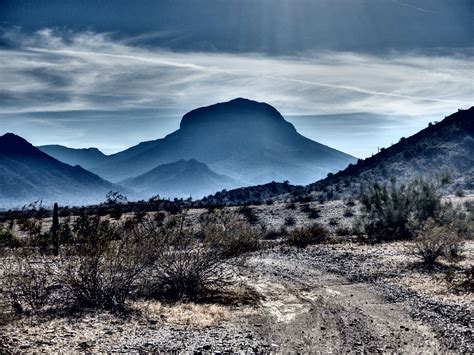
[434, 240]
[27, 282]
[232, 236]
[304, 236]
[102, 269]
[191, 264]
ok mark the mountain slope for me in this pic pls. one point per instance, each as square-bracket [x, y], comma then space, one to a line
[86, 157]
[446, 147]
[183, 178]
[28, 174]
[246, 140]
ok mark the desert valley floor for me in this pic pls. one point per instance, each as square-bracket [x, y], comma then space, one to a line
[334, 297]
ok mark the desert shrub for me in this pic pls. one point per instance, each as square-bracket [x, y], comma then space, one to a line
[290, 221]
[348, 212]
[467, 282]
[5, 318]
[342, 231]
[43, 241]
[32, 226]
[460, 281]
[88, 229]
[460, 193]
[387, 210]
[274, 234]
[103, 265]
[116, 212]
[349, 201]
[291, 206]
[213, 208]
[333, 222]
[7, 238]
[27, 282]
[305, 208]
[115, 198]
[230, 235]
[187, 265]
[304, 236]
[249, 214]
[322, 199]
[314, 213]
[65, 234]
[434, 240]
[101, 270]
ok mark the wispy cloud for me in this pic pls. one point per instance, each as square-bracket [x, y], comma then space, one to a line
[73, 71]
[415, 7]
[53, 71]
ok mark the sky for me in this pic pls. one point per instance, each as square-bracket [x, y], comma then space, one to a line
[355, 75]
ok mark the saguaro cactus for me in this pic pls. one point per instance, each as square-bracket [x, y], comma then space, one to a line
[54, 229]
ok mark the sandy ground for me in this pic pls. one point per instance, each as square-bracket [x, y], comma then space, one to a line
[343, 297]
[300, 305]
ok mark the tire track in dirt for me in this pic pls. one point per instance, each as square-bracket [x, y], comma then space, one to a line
[308, 309]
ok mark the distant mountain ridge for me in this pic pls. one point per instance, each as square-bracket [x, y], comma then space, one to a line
[85, 157]
[182, 179]
[246, 140]
[28, 174]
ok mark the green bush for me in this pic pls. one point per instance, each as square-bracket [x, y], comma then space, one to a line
[388, 210]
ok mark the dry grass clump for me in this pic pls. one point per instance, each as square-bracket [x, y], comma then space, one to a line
[188, 314]
[196, 315]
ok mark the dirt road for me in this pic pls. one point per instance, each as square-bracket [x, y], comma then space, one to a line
[305, 308]
[301, 307]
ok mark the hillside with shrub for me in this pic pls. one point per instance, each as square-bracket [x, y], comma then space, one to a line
[444, 150]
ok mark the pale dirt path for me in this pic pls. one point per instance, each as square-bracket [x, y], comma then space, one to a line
[307, 309]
